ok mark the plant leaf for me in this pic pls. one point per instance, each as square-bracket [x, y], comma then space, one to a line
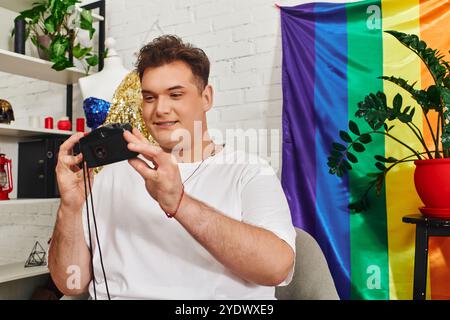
[380, 158]
[419, 95]
[354, 127]
[58, 47]
[434, 95]
[345, 136]
[397, 103]
[339, 147]
[351, 157]
[50, 24]
[380, 166]
[61, 63]
[86, 16]
[336, 154]
[347, 165]
[372, 174]
[374, 110]
[86, 22]
[429, 56]
[92, 61]
[358, 147]
[79, 52]
[365, 138]
[91, 33]
[445, 138]
[391, 160]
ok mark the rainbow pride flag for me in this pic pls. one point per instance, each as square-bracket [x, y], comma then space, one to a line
[332, 56]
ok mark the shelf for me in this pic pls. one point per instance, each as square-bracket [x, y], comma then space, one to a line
[20, 5]
[16, 271]
[23, 65]
[12, 130]
[16, 5]
[29, 201]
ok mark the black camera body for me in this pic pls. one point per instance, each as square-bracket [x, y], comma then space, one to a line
[106, 145]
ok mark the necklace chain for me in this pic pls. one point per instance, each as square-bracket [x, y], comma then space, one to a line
[198, 167]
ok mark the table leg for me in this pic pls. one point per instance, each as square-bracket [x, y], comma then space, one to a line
[420, 263]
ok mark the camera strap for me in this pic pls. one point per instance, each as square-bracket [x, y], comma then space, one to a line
[87, 184]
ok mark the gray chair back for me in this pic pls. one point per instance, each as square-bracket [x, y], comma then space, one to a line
[312, 279]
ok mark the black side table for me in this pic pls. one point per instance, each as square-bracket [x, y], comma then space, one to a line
[425, 228]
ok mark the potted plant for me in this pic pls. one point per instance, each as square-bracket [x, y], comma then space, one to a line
[53, 26]
[432, 172]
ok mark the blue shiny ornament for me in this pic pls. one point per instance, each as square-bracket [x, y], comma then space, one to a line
[95, 110]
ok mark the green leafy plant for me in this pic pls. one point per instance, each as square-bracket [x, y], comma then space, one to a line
[60, 21]
[380, 115]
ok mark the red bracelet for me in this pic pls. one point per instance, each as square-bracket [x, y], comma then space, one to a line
[171, 215]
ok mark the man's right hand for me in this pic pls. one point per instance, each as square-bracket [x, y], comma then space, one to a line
[70, 176]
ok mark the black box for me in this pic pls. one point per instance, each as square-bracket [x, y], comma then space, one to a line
[36, 170]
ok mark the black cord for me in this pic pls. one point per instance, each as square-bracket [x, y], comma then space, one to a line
[96, 235]
[86, 174]
[89, 229]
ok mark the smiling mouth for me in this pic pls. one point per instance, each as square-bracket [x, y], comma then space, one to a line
[165, 124]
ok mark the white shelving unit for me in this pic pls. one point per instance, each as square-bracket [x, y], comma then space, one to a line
[23, 65]
[16, 271]
[16, 5]
[28, 201]
[15, 279]
[11, 130]
[20, 5]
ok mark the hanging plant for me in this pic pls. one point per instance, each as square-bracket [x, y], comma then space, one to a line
[53, 26]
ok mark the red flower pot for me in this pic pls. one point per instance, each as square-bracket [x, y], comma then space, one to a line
[432, 181]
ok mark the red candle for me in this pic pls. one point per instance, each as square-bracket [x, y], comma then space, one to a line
[64, 124]
[80, 124]
[48, 123]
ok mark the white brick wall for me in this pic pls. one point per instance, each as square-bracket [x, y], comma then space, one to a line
[21, 225]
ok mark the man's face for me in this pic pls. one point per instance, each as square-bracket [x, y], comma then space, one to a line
[172, 101]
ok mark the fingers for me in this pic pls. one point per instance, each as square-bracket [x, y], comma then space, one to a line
[140, 136]
[135, 136]
[137, 142]
[72, 160]
[152, 153]
[69, 162]
[142, 168]
[91, 174]
[129, 137]
[154, 164]
[67, 146]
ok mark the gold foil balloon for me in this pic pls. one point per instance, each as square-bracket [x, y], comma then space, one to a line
[126, 106]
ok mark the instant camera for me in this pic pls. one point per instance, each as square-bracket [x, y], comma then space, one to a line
[106, 145]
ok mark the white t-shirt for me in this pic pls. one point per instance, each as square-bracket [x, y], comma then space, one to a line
[149, 256]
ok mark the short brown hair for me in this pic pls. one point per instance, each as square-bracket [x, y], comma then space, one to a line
[170, 48]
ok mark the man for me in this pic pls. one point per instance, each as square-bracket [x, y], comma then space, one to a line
[188, 219]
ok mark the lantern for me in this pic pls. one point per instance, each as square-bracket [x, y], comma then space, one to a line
[6, 183]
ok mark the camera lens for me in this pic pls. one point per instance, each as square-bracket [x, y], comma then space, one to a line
[100, 152]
